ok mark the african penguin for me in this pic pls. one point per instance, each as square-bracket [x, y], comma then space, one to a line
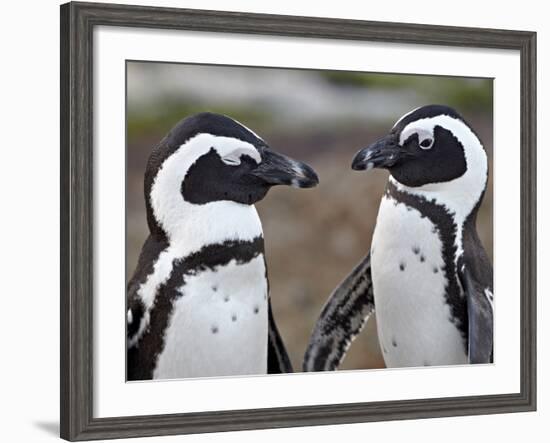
[198, 302]
[427, 275]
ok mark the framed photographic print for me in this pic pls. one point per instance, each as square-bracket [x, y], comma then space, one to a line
[272, 221]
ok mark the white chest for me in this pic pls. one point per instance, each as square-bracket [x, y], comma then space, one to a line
[219, 324]
[409, 284]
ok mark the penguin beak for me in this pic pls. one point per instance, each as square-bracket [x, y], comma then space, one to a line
[383, 153]
[278, 169]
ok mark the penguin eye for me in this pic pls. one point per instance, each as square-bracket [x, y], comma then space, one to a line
[427, 143]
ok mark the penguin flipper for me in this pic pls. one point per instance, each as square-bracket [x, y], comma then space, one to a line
[135, 313]
[137, 316]
[479, 299]
[135, 309]
[278, 361]
[342, 318]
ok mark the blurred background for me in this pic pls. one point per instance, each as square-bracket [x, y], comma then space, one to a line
[313, 237]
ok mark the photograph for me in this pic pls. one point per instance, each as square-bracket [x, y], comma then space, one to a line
[296, 220]
[280, 220]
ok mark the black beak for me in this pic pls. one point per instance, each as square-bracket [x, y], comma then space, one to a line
[278, 169]
[383, 153]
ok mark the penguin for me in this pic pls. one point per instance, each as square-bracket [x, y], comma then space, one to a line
[198, 302]
[427, 275]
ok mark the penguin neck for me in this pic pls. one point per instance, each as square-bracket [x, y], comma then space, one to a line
[449, 226]
[460, 197]
[190, 227]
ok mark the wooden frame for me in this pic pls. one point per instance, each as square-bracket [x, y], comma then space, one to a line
[77, 23]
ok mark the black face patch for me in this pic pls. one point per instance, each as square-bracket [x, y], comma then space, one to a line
[205, 122]
[443, 162]
[210, 179]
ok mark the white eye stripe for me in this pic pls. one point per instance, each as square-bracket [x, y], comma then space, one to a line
[232, 161]
[424, 129]
[233, 158]
[405, 115]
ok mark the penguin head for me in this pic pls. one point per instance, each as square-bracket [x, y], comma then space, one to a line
[210, 158]
[431, 148]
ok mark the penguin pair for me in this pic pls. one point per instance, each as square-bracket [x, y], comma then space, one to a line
[198, 302]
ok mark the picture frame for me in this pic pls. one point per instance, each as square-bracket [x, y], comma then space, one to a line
[78, 21]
